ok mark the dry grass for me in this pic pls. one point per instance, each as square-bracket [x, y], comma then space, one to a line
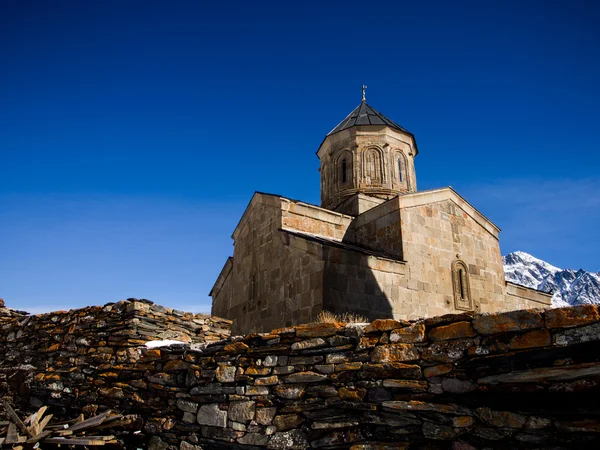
[348, 317]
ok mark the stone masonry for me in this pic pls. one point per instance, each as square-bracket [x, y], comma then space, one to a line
[515, 380]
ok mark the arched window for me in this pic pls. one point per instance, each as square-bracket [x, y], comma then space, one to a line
[461, 286]
[343, 170]
[400, 169]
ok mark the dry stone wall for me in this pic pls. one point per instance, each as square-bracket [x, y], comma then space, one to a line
[522, 379]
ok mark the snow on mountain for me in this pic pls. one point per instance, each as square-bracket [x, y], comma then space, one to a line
[570, 287]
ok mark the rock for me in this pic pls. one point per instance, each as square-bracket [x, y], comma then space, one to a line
[225, 374]
[254, 439]
[256, 370]
[270, 361]
[390, 370]
[456, 386]
[186, 405]
[436, 371]
[242, 411]
[501, 419]
[463, 421]
[457, 330]
[305, 360]
[414, 405]
[437, 432]
[530, 339]
[447, 351]
[526, 319]
[408, 335]
[267, 381]
[317, 330]
[183, 445]
[305, 377]
[384, 325]
[310, 343]
[287, 421]
[155, 443]
[288, 440]
[257, 390]
[264, 416]
[211, 415]
[573, 316]
[236, 347]
[290, 392]
[577, 335]
[351, 393]
[394, 353]
[406, 385]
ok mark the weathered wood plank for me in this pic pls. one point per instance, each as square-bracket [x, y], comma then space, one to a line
[39, 437]
[91, 422]
[12, 437]
[74, 441]
[15, 418]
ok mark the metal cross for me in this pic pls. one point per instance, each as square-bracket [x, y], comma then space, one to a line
[364, 96]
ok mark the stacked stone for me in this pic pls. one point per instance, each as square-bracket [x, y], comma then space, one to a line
[63, 357]
[8, 315]
[518, 379]
[523, 379]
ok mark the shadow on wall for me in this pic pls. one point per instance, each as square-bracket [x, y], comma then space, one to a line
[349, 285]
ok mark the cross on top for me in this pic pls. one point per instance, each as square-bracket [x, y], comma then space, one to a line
[364, 96]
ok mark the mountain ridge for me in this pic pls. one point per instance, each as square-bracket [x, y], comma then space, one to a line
[569, 287]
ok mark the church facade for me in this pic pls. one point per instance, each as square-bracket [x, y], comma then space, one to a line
[376, 246]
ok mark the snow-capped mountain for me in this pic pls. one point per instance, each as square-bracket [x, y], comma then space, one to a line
[570, 287]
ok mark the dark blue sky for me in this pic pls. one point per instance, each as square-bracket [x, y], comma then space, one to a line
[132, 134]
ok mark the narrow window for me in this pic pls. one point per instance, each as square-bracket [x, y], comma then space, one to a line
[344, 169]
[400, 169]
[461, 281]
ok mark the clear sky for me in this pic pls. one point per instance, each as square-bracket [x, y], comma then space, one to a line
[133, 133]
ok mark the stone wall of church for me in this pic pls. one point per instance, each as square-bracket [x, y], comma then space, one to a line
[271, 283]
[437, 234]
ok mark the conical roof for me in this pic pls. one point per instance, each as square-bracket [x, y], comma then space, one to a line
[363, 114]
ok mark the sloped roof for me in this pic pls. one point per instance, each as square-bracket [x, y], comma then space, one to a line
[364, 114]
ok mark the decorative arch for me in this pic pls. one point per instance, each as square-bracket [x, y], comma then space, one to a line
[344, 169]
[462, 286]
[401, 168]
[373, 165]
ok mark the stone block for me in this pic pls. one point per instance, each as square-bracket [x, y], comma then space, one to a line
[506, 322]
[455, 330]
[530, 339]
[242, 411]
[573, 316]
[212, 415]
[408, 335]
[394, 353]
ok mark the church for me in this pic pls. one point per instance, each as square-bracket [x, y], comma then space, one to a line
[376, 246]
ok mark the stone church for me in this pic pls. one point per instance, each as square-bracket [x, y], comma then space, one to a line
[376, 246]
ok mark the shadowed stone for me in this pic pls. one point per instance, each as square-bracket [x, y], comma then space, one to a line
[211, 415]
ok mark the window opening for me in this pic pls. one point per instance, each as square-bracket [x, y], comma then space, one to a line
[400, 169]
[344, 167]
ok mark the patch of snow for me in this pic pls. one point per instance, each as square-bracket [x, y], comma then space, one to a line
[164, 343]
